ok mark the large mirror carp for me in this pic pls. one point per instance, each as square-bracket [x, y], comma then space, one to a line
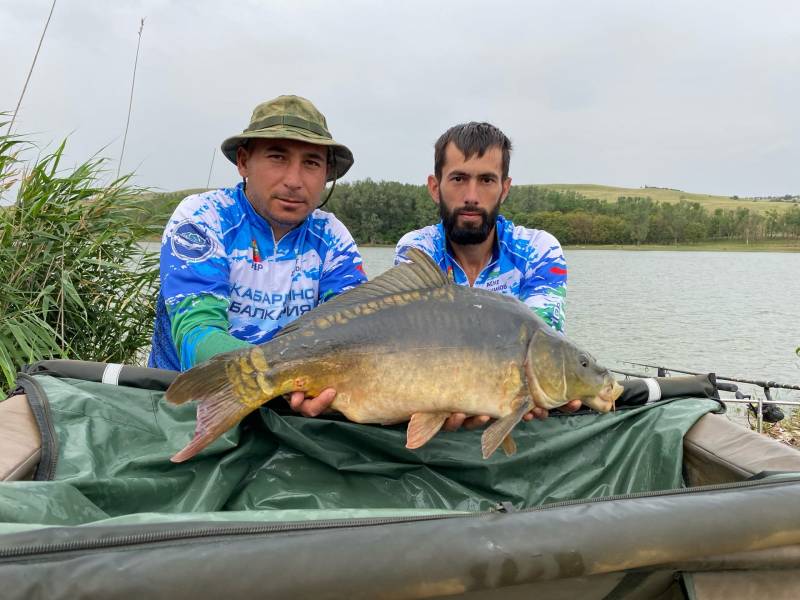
[408, 346]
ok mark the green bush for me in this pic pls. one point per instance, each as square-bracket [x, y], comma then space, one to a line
[74, 281]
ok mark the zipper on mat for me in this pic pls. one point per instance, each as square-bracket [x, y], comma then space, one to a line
[40, 407]
[248, 530]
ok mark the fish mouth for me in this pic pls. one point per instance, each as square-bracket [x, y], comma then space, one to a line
[606, 397]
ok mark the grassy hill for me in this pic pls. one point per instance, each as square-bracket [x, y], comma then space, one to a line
[611, 193]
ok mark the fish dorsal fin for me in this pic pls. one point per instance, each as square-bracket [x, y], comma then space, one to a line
[421, 273]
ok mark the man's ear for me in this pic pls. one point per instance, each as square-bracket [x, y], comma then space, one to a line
[506, 189]
[433, 188]
[241, 160]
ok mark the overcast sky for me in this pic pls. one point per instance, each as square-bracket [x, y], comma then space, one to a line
[700, 96]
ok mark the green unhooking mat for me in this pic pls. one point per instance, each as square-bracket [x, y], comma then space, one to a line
[106, 452]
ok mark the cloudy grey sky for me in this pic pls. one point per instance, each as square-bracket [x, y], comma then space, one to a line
[700, 96]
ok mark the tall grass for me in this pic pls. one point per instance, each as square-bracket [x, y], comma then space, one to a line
[74, 282]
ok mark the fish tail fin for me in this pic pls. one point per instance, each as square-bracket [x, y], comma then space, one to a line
[198, 382]
[497, 432]
[223, 395]
[215, 415]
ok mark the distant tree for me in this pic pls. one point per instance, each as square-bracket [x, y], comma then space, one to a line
[580, 223]
[608, 230]
[553, 222]
[637, 212]
[772, 222]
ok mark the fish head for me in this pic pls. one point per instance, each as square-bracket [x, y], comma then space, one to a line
[558, 372]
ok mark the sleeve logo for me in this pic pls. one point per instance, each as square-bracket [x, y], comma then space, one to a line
[191, 242]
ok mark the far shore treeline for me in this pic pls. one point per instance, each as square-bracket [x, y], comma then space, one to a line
[381, 212]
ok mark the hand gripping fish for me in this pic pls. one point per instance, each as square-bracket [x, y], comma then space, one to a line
[407, 346]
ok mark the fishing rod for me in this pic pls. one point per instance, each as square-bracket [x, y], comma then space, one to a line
[766, 410]
[759, 383]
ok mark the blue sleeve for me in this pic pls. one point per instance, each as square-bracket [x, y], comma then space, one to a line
[343, 267]
[419, 239]
[544, 287]
[200, 329]
[194, 266]
[193, 255]
[401, 251]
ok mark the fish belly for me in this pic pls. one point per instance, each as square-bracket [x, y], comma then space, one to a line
[389, 387]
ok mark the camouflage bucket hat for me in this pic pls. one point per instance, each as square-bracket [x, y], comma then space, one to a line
[292, 118]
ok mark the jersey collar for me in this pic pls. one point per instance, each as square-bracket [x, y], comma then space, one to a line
[452, 265]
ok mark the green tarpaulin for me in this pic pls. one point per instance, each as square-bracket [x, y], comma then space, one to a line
[288, 507]
[113, 443]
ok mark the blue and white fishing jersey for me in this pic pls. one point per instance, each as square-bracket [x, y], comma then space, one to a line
[216, 245]
[526, 263]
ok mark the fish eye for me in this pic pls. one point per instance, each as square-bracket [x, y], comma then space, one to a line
[584, 360]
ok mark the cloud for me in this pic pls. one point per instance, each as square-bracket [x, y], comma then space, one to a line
[678, 94]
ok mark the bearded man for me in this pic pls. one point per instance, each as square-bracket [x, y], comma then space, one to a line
[475, 245]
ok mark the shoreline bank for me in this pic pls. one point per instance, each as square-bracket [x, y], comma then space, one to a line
[701, 247]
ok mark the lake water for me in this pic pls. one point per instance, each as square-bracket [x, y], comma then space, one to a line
[734, 313]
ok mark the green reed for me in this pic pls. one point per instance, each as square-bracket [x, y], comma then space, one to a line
[74, 281]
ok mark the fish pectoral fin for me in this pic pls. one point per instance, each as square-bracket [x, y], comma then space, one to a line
[422, 427]
[497, 433]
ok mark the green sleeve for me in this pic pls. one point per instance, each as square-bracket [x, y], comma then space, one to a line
[199, 326]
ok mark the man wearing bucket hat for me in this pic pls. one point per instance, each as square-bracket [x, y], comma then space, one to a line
[238, 264]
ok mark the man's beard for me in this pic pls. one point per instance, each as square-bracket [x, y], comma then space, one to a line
[470, 233]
